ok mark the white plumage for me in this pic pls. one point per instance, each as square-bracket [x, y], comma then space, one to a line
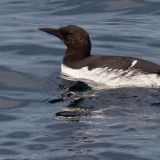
[109, 78]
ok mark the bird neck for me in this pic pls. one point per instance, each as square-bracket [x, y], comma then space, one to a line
[76, 54]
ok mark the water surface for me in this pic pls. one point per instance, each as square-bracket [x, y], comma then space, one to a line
[114, 124]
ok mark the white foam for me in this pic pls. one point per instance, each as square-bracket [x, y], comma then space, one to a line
[108, 78]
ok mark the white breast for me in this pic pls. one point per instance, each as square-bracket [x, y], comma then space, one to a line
[109, 78]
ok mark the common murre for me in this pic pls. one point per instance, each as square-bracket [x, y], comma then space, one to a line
[113, 71]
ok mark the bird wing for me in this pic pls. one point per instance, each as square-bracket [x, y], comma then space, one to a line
[121, 62]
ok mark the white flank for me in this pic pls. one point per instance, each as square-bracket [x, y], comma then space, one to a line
[109, 78]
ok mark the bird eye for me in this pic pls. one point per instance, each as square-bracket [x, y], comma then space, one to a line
[66, 33]
[70, 33]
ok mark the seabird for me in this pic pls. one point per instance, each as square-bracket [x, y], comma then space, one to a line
[78, 57]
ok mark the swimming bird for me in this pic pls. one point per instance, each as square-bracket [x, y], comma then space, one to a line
[114, 71]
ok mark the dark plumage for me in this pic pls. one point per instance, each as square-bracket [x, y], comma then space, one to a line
[78, 53]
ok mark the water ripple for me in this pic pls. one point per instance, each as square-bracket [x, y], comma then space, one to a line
[43, 116]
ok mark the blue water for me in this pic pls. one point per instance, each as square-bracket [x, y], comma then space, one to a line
[115, 124]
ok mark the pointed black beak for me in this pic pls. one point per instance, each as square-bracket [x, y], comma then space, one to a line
[52, 31]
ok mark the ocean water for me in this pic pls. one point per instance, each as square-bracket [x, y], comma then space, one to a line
[45, 117]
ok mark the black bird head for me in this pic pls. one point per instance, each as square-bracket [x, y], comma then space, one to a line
[72, 36]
